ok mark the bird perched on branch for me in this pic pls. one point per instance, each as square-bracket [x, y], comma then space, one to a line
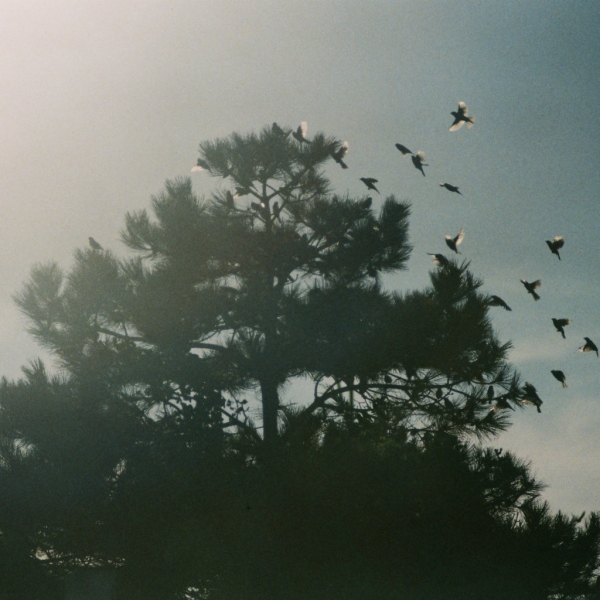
[497, 301]
[560, 376]
[560, 324]
[418, 160]
[589, 346]
[94, 244]
[339, 154]
[439, 259]
[556, 244]
[450, 188]
[531, 287]
[370, 183]
[300, 133]
[366, 203]
[229, 200]
[460, 117]
[530, 396]
[276, 129]
[453, 242]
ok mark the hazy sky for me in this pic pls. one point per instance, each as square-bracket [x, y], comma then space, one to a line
[102, 101]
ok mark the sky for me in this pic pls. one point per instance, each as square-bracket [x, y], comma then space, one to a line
[102, 101]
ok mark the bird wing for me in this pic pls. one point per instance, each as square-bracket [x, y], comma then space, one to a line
[403, 149]
[460, 237]
[421, 156]
[456, 125]
[536, 284]
[303, 128]
[563, 322]
[462, 108]
[559, 241]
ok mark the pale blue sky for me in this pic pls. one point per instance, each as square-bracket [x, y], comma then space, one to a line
[101, 101]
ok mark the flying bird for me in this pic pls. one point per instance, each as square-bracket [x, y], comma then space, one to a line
[531, 287]
[439, 259]
[556, 244]
[300, 133]
[370, 183]
[560, 324]
[403, 149]
[530, 396]
[450, 188]
[201, 165]
[497, 301]
[453, 242]
[589, 346]
[339, 154]
[276, 129]
[560, 376]
[460, 117]
[94, 244]
[418, 160]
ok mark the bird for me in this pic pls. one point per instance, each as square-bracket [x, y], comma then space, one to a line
[589, 346]
[366, 203]
[556, 244]
[403, 149]
[201, 165]
[387, 379]
[453, 242]
[559, 324]
[229, 201]
[450, 188]
[490, 394]
[501, 404]
[530, 396]
[242, 191]
[339, 154]
[418, 160]
[370, 183]
[300, 133]
[439, 259]
[276, 210]
[497, 301]
[531, 287]
[276, 129]
[460, 117]
[94, 244]
[560, 376]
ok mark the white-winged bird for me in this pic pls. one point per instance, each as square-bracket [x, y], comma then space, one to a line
[418, 160]
[403, 149]
[497, 301]
[370, 183]
[556, 244]
[300, 133]
[339, 154]
[530, 396]
[560, 324]
[94, 244]
[453, 242]
[560, 376]
[439, 259]
[531, 287]
[460, 117]
[589, 346]
[450, 188]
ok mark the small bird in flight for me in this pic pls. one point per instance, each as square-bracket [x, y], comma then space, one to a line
[339, 154]
[418, 160]
[450, 188]
[560, 324]
[94, 244]
[403, 149]
[556, 244]
[453, 242]
[531, 287]
[560, 376]
[589, 346]
[439, 259]
[460, 117]
[370, 183]
[300, 133]
[530, 396]
[497, 301]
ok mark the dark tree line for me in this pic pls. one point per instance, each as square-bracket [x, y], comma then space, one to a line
[147, 454]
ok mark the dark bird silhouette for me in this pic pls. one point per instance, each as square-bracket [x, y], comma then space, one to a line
[497, 301]
[366, 203]
[490, 394]
[276, 210]
[370, 183]
[556, 244]
[387, 379]
[530, 396]
[531, 287]
[460, 117]
[300, 133]
[229, 201]
[242, 191]
[453, 242]
[403, 149]
[450, 188]
[339, 154]
[501, 404]
[560, 376]
[589, 346]
[276, 129]
[439, 259]
[418, 160]
[201, 165]
[559, 324]
[94, 244]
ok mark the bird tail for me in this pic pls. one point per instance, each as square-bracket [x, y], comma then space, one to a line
[535, 296]
[564, 384]
[564, 336]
